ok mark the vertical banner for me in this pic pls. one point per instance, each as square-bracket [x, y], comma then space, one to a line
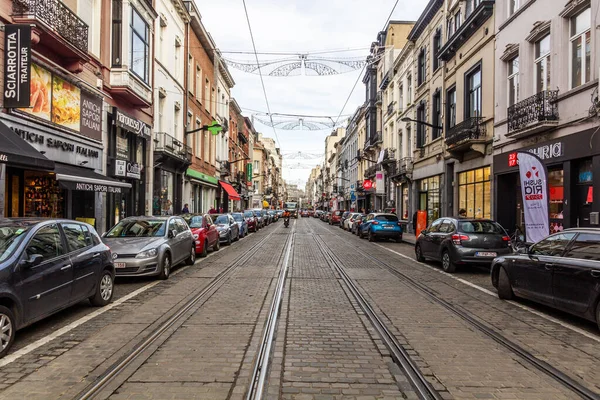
[249, 172]
[17, 65]
[534, 189]
[380, 182]
[421, 221]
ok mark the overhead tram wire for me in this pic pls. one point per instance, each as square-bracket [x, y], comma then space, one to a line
[262, 82]
[363, 68]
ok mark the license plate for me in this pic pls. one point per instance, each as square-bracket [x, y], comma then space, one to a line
[120, 265]
[388, 227]
[485, 254]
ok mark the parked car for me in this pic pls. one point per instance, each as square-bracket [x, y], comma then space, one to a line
[241, 222]
[318, 213]
[47, 266]
[204, 232]
[335, 217]
[356, 224]
[273, 215]
[457, 241]
[251, 220]
[259, 216]
[304, 213]
[279, 213]
[347, 224]
[345, 215]
[311, 213]
[381, 225]
[228, 229]
[560, 271]
[327, 216]
[150, 246]
[266, 217]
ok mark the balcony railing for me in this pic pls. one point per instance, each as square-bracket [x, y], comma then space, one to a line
[165, 143]
[534, 110]
[370, 172]
[406, 165]
[469, 129]
[56, 16]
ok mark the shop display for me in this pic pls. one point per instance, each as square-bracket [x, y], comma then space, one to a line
[43, 197]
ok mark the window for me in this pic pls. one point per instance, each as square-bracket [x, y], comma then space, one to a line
[175, 121]
[47, 243]
[553, 245]
[76, 239]
[580, 48]
[513, 6]
[451, 107]
[140, 45]
[480, 227]
[457, 21]
[437, 44]
[542, 64]
[421, 132]
[513, 81]
[117, 32]
[435, 227]
[206, 96]
[198, 142]
[256, 166]
[190, 69]
[206, 145]
[401, 98]
[409, 90]
[213, 107]
[473, 84]
[469, 8]
[474, 192]
[449, 28]
[585, 247]
[421, 67]
[436, 115]
[198, 83]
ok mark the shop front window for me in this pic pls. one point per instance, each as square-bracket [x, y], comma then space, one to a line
[429, 197]
[404, 202]
[43, 196]
[555, 184]
[164, 194]
[122, 145]
[474, 192]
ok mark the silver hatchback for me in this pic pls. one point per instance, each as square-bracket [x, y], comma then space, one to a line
[149, 246]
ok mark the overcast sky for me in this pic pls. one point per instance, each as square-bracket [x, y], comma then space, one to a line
[300, 26]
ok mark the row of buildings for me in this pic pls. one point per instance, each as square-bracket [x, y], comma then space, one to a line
[123, 95]
[451, 97]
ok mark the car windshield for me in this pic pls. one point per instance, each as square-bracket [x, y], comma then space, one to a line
[10, 238]
[390, 218]
[480, 227]
[138, 228]
[222, 219]
[238, 217]
[248, 214]
[194, 221]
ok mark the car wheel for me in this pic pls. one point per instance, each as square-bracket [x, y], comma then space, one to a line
[217, 245]
[104, 290]
[419, 253]
[204, 249]
[7, 330]
[372, 237]
[447, 264]
[505, 291]
[192, 258]
[166, 267]
[229, 239]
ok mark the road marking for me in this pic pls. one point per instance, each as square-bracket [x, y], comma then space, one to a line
[38, 343]
[489, 292]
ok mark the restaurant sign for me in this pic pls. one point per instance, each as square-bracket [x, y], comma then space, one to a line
[131, 124]
[17, 65]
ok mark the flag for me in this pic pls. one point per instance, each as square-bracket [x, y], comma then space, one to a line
[534, 189]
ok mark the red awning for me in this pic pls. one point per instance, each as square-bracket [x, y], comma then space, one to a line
[233, 194]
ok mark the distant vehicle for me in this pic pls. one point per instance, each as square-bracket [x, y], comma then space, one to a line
[335, 217]
[150, 246]
[46, 266]
[229, 231]
[258, 212]
[318, 214]
[242, 224]
[381, 225]
[345, 215]
[251, 220]
[292, 206]
[347, 225]
[204, 232]
[457, 241]
[560, 271]
[304, 213]
[358, 220]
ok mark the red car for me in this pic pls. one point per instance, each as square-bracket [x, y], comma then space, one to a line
[336, 216]
[204, 231]
[251, 220]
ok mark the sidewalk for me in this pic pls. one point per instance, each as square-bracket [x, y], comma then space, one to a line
[409, 238]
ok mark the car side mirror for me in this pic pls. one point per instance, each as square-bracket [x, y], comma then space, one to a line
[33, 261]
[104, 234]
[172, 233]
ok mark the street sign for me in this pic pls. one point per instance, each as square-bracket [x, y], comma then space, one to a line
[367, 184]
[215, 128]
[352, 196]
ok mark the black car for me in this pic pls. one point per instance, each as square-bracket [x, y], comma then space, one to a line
[46, 266]
[560, 271]
[455, 241]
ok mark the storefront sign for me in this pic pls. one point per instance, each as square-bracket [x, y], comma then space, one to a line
[131, 124]
[367, 184]
[249, 173]
[380, 182]
[91, 116]
[545, 152]
[534, 188]
[127, 169]
[94, 187]
[3, 158]
[17, 65]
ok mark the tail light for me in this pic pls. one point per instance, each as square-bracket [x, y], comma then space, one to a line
[375, 223]
[458, 239]
[399, 223]
[505, 239]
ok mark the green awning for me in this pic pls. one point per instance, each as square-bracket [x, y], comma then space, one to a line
[192, 173]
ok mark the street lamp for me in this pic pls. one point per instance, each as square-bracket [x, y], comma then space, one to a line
[213, 128]
[407, 119]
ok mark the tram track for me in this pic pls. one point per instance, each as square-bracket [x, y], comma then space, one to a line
[552, 372]
[97, 387]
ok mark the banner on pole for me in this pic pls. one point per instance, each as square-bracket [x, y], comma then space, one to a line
[534, 189]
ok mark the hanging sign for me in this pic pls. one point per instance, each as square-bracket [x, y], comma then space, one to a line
[380, 182]
[534, 189]
[367, 184]
[249, 173]
[17, 65]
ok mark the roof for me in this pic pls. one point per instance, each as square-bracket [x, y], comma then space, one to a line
[426, 16]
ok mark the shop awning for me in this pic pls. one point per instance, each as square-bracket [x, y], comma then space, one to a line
[78, 178]
[201, 178]
[16, 151]
[233, 194]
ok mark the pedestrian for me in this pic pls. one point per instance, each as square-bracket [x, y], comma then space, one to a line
[462, 213]
[185, 209]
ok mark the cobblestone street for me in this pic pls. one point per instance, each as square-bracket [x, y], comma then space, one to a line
[199, 335]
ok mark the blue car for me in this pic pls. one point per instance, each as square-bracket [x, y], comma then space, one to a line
[381, 225]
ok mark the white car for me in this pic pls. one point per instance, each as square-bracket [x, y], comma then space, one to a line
[349, 221]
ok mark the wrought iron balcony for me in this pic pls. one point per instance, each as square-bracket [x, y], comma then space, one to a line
[171, 146]
[56, 23]
[534, 114]
[469, 129]
[371, 171]
[406, 165]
